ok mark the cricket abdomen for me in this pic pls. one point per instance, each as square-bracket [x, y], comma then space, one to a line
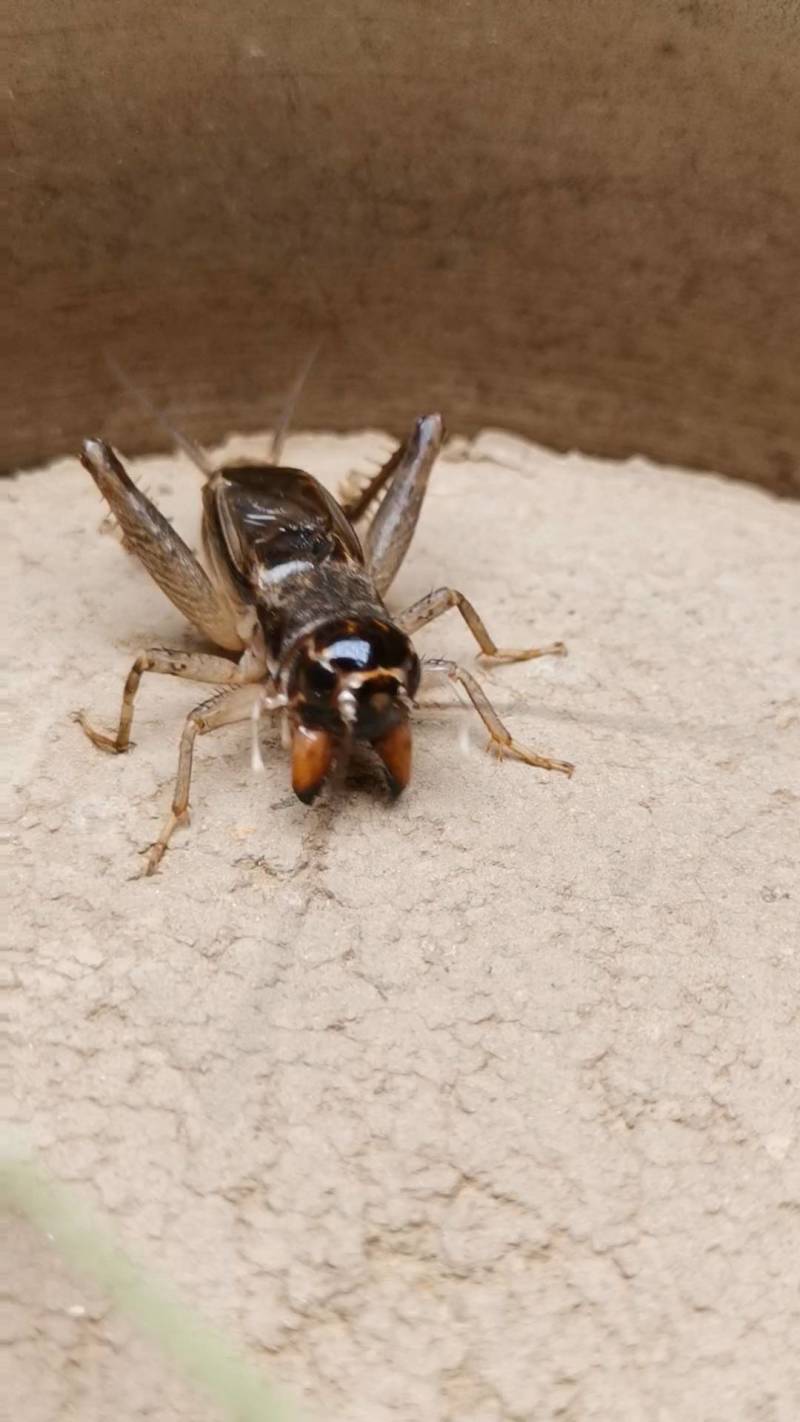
[267, 523]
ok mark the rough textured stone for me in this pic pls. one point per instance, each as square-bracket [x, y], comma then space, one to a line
[481, 1107]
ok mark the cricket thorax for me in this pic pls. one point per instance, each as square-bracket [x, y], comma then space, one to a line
[308, 595]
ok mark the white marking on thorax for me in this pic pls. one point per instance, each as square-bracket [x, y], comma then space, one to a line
[268, 576]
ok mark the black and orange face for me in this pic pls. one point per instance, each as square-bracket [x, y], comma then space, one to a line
[351, 678]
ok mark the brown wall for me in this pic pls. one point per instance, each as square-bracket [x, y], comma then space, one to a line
[578, 220]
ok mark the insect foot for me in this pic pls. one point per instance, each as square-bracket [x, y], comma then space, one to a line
[101, 739]
[522, 654]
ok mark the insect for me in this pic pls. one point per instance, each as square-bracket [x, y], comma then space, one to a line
[294, 601]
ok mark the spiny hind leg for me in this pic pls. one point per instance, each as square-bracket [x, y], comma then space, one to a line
[406, 472]
[430, 607]
[195, 666]
[222, 710]
[355, 498]
[390, 533]
[148, 534]
[501, 742]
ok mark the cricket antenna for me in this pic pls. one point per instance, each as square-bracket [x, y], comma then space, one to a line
[282, 427]
[193, 451]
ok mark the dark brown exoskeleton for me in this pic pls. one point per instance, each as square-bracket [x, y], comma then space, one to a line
[296, 603]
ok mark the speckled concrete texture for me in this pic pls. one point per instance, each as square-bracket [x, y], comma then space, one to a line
[478, 1108]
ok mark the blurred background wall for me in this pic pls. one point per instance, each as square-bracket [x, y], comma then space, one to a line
[576, 220]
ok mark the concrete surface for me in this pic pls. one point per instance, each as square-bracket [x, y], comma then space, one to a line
[477, 1108]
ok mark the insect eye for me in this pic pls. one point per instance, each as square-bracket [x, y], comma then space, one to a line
[320, 680]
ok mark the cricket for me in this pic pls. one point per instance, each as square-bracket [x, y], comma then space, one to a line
[292, 598]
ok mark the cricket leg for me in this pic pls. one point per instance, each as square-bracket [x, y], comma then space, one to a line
[422, 612]
[221, 710]
[355, 501]
[392, 528]
[148, 534]
[501, 742]
[195, 666]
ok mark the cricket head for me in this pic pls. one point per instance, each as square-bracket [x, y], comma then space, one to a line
[351, 678]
